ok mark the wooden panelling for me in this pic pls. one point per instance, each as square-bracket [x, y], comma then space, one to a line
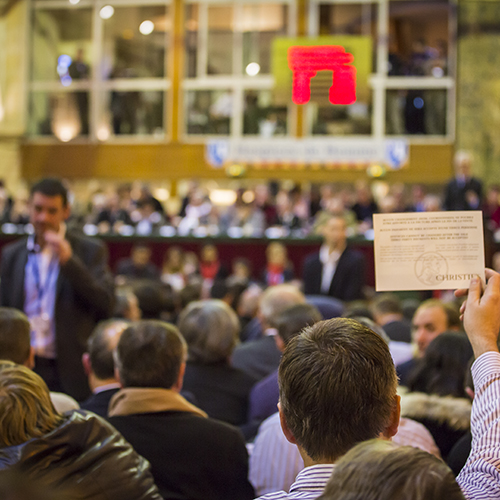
[428, 164]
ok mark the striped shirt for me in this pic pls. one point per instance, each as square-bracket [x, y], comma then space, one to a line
[274, 462]
[480, 477]
[308, 485]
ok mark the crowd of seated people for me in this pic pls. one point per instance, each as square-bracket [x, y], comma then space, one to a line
[273, 210]
[213, 380]
[207, 370]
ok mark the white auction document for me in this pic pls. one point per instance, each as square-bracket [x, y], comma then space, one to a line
[428, 250]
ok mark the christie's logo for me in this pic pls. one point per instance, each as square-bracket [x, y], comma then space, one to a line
[455, 277]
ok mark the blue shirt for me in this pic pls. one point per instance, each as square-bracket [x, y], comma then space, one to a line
[40, 285]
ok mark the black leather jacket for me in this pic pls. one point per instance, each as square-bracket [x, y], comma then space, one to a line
[84, 458]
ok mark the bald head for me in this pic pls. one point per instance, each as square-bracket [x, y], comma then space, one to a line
[276, 299]
[101, 345]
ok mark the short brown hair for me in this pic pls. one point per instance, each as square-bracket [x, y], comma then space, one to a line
[451, 311]
[382, 470]
[210, 328]
[337, 387]
[294, 318]
[26, 410]
[150, 354]
[14, 335]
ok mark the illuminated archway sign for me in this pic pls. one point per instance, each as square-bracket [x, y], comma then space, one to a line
[305, 62]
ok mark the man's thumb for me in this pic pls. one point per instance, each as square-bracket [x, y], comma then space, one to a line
[474, 290]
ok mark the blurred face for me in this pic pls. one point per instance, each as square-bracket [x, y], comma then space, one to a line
[428, 323]
[334, 232]
[463, 166]
[47, 213]
[277, 254]
[141, 256]
[209, 253]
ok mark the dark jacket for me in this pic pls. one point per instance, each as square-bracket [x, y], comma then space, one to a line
[447, 418]
[98, 403]
[220, 390]
[192, 457]
[84, 458]
[455, 196]
[347, 282]
[84, 296]
[257, 358]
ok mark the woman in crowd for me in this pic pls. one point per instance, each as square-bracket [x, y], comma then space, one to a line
[211, 330]
[78, 454]
[278, 269]
[172, 270]
[437, 395]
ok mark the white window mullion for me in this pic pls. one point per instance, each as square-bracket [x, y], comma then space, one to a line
[202, 58]
[96, 97]
[237, 39]
[237, 118]
[379, 91]
[313, 24]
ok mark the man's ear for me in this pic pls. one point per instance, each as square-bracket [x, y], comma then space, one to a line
[284, 427]
[30, 362]
[117, 377]
[87, 366]
[66, 211]
[392, 427]
[177, 387]
[279, 343]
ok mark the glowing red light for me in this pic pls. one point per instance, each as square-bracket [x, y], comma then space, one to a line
[305, 62]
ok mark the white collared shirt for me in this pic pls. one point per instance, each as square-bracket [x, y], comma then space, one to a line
[329, 261]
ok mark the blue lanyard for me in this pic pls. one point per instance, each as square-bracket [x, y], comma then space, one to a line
[42, 288]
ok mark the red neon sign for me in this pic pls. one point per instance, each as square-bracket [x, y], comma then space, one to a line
[305, 62]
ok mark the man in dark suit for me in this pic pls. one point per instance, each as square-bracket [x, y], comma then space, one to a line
[192, 457]
[99, 365]
[60, 279]
[463, 192]
[336, 270]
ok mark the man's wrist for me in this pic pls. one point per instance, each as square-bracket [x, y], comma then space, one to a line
[482, 346]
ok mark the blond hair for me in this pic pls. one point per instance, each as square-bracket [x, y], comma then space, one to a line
[26, 410]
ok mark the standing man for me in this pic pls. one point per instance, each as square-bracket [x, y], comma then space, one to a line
[62, 282]
[336, 270]
[463, 192]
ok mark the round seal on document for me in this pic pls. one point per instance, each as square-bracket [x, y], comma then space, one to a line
[428, 266]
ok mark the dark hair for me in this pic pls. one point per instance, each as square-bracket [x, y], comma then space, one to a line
[190, 293]
[150, 354]
[122, 302]
[294, 318]
[337, 387]
[51, 186]
[100, 348]
[150, 297]
[442, 369]
[14, 335]
[211, 330]
[358, 308]
[219, 289]
[381, 470]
